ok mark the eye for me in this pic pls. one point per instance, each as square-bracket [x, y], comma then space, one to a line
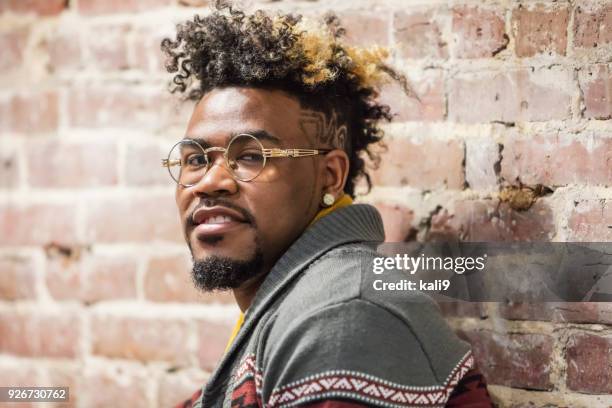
[250, 157]
[196, 160]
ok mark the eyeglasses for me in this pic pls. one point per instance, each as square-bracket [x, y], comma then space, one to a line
[244, 155]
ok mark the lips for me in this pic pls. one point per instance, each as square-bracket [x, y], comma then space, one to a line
[216, 220]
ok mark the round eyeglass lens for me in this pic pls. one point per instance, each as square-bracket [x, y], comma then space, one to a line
[245, 157]
[187, 162]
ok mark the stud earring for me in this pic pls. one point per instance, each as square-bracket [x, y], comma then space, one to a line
[328, 199]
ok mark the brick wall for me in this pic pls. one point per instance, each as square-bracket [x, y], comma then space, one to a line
[94, 284]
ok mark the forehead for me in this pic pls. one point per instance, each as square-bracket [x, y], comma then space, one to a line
[224, 112]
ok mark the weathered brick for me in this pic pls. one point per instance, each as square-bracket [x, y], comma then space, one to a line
[40, 333]
[462, 309]
[39, 7]
[104, 385]
[473, 220]
[91, 277]
[366, 29]
[539, 30]
[168, 279]
[481, 161]
[558, 160]
[478, 32]
[514, 360]
[37, 224]
[596, 86]
[419, 34]
[53, 164]
[509, 96]
[591, 221]
[397, 221]
[178, 386]
[93, 7]
[141, 339]
[13, 44]
[65, 50]
[421, 163]
[94, 107]
[107, 47]
[592, 26]
[213, 338]
[141, 218]
[431, 105]
[145, 48]
[142, 165]
[18, 277]
[588, 359]
[29, 112]
[10, 169]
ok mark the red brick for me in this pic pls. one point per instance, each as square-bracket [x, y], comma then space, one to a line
[168, 279]
[539, 30]
[64, 375]
[117, 107]
[526, 311]
[596, 86]
[18, 278]
[366, 29]
[513, 360]
[13, 44]
[91, 278]
[475, 221]
[37, 224]
[431, 105]
[145, 48]
[143, 168]
[511, 96]
[64, 48]
[141, 338]
[17, 374]
[426, 164]
[105, 385]
[179, 386]
[591, 221]
[419, 34]
[463, 309]
[588, 359]
[139, 218]
[213, 338]
[481, 161]
[592, 26]
[107, 47]
[397, 221]
[478, 32]
[30, 112]
[53, 164]
[558, 160]
[39, 7]
[10, 169]
[40, 334]
[93, 7]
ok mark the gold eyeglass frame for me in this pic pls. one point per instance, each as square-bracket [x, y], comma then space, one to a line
[267, 153]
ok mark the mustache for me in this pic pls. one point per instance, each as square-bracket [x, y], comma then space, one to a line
[221, 202]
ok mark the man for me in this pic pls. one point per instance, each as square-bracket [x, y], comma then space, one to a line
[265, 179]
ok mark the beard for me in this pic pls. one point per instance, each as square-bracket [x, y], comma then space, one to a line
[223, 273]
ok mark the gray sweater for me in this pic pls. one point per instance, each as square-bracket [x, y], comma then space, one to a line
[317, 330]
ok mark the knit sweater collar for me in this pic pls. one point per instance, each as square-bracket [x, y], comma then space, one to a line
[353, 223]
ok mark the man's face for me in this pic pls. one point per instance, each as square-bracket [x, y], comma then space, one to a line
[249, 223]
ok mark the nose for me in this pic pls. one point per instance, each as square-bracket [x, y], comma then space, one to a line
[217, 180]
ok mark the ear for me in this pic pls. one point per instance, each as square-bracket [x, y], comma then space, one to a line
[335, 172]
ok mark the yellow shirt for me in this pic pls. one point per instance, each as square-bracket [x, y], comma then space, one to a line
[342, 202]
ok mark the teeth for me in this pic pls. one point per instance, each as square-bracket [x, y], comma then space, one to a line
[219, 219]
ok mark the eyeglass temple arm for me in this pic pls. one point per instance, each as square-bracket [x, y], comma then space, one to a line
[171, 163]
[294, 152]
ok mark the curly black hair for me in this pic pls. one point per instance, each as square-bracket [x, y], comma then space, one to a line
[230, 48]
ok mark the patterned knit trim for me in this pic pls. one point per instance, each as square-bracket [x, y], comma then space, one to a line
[356, 386]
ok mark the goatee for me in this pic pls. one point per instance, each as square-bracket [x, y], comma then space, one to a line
[222, 273]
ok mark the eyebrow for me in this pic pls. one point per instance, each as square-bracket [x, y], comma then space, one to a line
[258, 133]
